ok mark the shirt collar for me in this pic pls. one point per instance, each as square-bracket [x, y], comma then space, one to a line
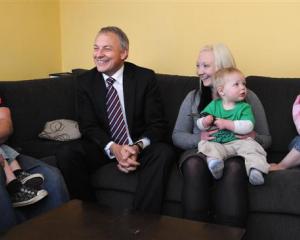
[118, 75]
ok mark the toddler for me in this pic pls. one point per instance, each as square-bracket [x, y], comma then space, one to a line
[231, 115]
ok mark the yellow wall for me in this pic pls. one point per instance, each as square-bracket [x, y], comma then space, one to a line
[43, 36]
[30, 39]
[264, 35]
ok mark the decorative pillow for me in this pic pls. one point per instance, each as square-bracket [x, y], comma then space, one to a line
[61, 130]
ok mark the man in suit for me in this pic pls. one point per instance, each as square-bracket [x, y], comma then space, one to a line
[139, 122]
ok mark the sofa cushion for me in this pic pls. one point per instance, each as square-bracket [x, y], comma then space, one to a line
[38, 148]
[274, 156]
[273, 227]
[174, 186]
[173, 90]
[277, 96]
[280, 193]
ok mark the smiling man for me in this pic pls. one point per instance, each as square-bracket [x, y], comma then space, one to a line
[121, 120]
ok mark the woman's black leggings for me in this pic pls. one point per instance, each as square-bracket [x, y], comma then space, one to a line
[221, 201]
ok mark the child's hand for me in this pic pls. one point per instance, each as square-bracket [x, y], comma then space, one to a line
[296, 113]
[224, 124]
[275, 167]
[208, 121]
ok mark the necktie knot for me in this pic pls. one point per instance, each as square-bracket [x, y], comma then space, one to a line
[110, 81]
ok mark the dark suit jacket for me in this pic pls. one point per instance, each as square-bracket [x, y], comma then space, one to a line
[143, 105]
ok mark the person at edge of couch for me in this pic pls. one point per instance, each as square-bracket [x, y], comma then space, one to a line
[141, 148]
[53, 182]
[222, 201]
[292, 159]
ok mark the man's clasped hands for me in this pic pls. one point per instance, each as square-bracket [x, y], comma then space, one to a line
[127, 157]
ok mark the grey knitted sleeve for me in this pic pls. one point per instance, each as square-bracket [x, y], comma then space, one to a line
[186, 134]
[261, 128]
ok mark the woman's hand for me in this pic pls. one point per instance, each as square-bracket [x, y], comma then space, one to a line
[207, 135]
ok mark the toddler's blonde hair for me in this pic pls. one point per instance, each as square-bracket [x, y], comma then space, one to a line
[220, 77]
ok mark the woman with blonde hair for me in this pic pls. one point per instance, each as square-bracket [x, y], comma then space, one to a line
[221, 201]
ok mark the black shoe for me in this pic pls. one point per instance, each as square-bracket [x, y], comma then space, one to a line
[34, 180]
[26, 196]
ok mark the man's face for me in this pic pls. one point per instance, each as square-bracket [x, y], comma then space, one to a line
[108, 54]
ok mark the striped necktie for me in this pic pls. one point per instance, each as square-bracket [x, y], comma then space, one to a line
[115, 115]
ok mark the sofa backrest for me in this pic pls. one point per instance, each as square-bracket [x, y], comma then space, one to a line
[277, 96]
[174, 89]
[34, 102]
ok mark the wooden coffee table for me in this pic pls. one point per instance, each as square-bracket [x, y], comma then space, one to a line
[80, 220]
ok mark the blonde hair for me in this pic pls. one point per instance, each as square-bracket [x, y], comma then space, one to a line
[220, 77]
[222, 55]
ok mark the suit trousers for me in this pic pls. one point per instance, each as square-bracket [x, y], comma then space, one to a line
[78, 160]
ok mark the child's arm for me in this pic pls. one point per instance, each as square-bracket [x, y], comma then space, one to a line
[205, 123]
[236, 126]
[243, 126]
[296, 113]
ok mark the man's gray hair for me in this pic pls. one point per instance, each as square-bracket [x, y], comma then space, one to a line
[119, 32]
